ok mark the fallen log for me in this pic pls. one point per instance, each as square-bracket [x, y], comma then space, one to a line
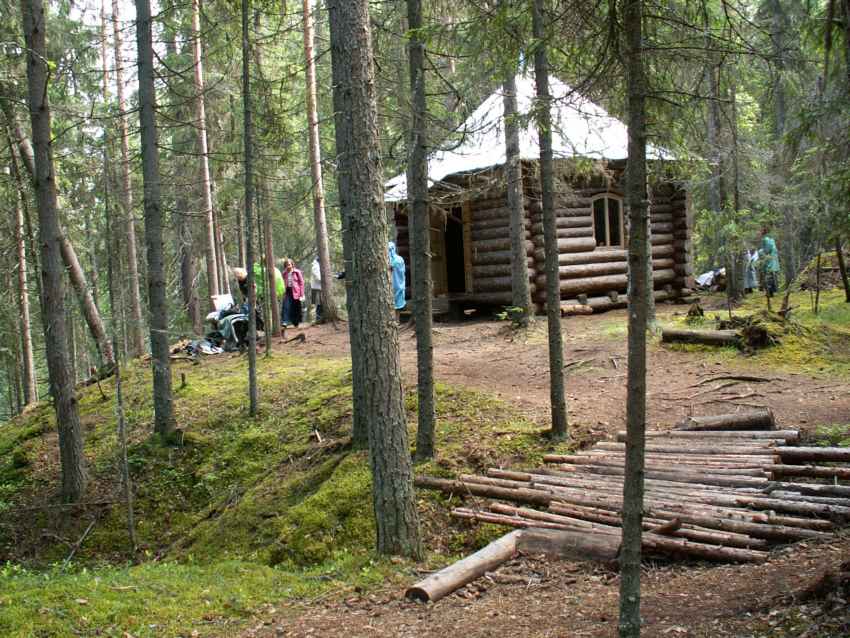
[690, 532]
[805, 454]
[763, 449]
[703, 337]
[811, 489]
[447, 580]
[571, 545]
[690, 514]
[728, 505]
[681, 475]
[656, 543]
[510, 521]
[788, 436]
[813, 471]
[598, 467]
[605, 547]
[720, 461]
[570, 309]
[761, 419]
[522, 495]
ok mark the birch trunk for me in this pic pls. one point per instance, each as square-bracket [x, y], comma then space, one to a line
[633, 488]
[550, 238]
[203, 152]
[28, 359]
[137, 340]
[329, 309]
[162, 396]
[71, 454]
[361, 199]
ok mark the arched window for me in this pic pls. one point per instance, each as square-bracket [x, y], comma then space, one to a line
[608, 221]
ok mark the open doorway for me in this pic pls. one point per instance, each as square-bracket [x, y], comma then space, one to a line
[455, 262]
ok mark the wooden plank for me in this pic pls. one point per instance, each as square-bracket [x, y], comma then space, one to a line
[466, 218]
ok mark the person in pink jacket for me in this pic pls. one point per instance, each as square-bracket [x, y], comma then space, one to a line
[294, 296]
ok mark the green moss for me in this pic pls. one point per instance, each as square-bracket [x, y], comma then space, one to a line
[156, 599]
[245, 511]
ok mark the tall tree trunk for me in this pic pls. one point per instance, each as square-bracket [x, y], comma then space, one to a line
[789, 242]
[329, 309]
[121, 423]
[203, 152]
[341, 79]
[736, 170]
[87, 305]
[842, 267]
[162, 396]
[27, 357]
[23, 199]
[630, 554]
[271, 283]
[137, 339]
[71, 455]
[188, 290]
[249, 211]
[520, 290]
[420, 234]
[358, 150]
[543, 113]
[68, 254]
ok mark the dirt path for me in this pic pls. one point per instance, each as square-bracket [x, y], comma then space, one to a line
[552, 599]
[486, 355]
[566, 600]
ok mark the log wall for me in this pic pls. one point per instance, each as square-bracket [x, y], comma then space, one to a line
[585, 269]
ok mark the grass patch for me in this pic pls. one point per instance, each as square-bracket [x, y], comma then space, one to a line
[245, 513]
[161, 599]
[820, 346]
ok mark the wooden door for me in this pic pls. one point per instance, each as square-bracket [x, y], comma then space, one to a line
[439, 274]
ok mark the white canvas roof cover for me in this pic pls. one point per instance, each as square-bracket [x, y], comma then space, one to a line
[580, 129]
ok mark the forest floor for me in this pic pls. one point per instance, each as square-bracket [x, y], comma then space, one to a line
[254, 528]
[806, 387]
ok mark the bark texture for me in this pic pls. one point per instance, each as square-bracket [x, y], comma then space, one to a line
[520, 290]
[203, 153]
[420, 240]
[162, 396]
[28, 359]
[248, 132]
[50, 237]
[329, 309]
[633, 486]
[137, 339]
[361, 198]
[547, 186]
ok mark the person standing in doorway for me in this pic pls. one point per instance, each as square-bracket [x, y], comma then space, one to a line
[769, 258]
[292, 309]
[316, 290]
[397, 269]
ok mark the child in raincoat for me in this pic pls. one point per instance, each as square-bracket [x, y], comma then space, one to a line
[397, 275]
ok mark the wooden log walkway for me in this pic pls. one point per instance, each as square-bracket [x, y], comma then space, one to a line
[713, 494]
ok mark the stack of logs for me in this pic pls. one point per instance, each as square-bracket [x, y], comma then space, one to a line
[709, 494]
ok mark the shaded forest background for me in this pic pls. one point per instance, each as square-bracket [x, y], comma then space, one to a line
[752, 94]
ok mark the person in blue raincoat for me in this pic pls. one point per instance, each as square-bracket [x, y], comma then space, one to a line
[769, 258]
[397, 275]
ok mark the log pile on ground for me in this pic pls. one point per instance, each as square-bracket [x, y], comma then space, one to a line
[749, 333]
[710, 494]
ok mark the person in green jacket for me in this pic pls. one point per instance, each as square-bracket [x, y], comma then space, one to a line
[260, 281]
[769, 260]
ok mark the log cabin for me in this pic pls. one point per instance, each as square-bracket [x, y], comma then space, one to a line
[469, 218]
